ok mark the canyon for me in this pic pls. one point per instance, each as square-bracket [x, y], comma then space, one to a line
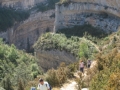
[103, 14]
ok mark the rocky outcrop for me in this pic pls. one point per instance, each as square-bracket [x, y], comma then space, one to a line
[53, 58]
[20, 4]
[26, 33]
[110, 3]
[104, 14]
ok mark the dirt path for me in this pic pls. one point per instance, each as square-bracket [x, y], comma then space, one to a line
[71, 84]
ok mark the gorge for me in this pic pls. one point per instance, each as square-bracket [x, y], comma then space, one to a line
[103, 14]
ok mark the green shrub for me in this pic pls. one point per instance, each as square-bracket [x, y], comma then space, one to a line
[79, 47]
[59, 76]
[2, 88]
[16, 65]
[109, 67]
[7, 84]
[84, 50]
[20, 85]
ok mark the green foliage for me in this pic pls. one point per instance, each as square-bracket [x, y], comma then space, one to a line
[109, 67]
[84, 50]
[2, 88]
[20, 85]
[16, 65]
[48, 6]
[73, 45]
[9, 16]
[59, 76]
[7, 84]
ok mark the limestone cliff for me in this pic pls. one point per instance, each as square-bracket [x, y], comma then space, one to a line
[104, 14]
[26, 33]
[110, 3]
[20, 4]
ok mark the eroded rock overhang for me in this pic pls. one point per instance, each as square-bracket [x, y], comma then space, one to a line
[101, 15]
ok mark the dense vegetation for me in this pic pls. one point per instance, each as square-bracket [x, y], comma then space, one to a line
[46, 6]
[104, 76]
[108, 75]
[79, 47]
[60, 76]
[16, 65]
[9, 16]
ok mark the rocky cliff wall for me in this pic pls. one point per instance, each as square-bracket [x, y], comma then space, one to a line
[53, 58]
[104, 14]
[20, 4]
[26, 33]
[110, 3]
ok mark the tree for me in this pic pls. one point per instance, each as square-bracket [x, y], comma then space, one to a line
[7, 84]
[20, 85]
[84, 50]
[2, 88]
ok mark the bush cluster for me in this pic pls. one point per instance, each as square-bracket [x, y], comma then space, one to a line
[74, 45]
[60, 76]
[15, 65]
[109, 70]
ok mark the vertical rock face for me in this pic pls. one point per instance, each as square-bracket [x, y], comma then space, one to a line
[20, 4]
[26, 33]
[53, 58]
[110, 3]
[104, 14]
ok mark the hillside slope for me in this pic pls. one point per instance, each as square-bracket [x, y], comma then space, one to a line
[16, 65]
[108, 61]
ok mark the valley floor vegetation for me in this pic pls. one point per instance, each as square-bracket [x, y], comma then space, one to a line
[79, 47]
[16, 67]
[105, 76]
[108, 75]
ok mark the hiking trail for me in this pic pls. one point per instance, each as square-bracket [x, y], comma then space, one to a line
[72, 84]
